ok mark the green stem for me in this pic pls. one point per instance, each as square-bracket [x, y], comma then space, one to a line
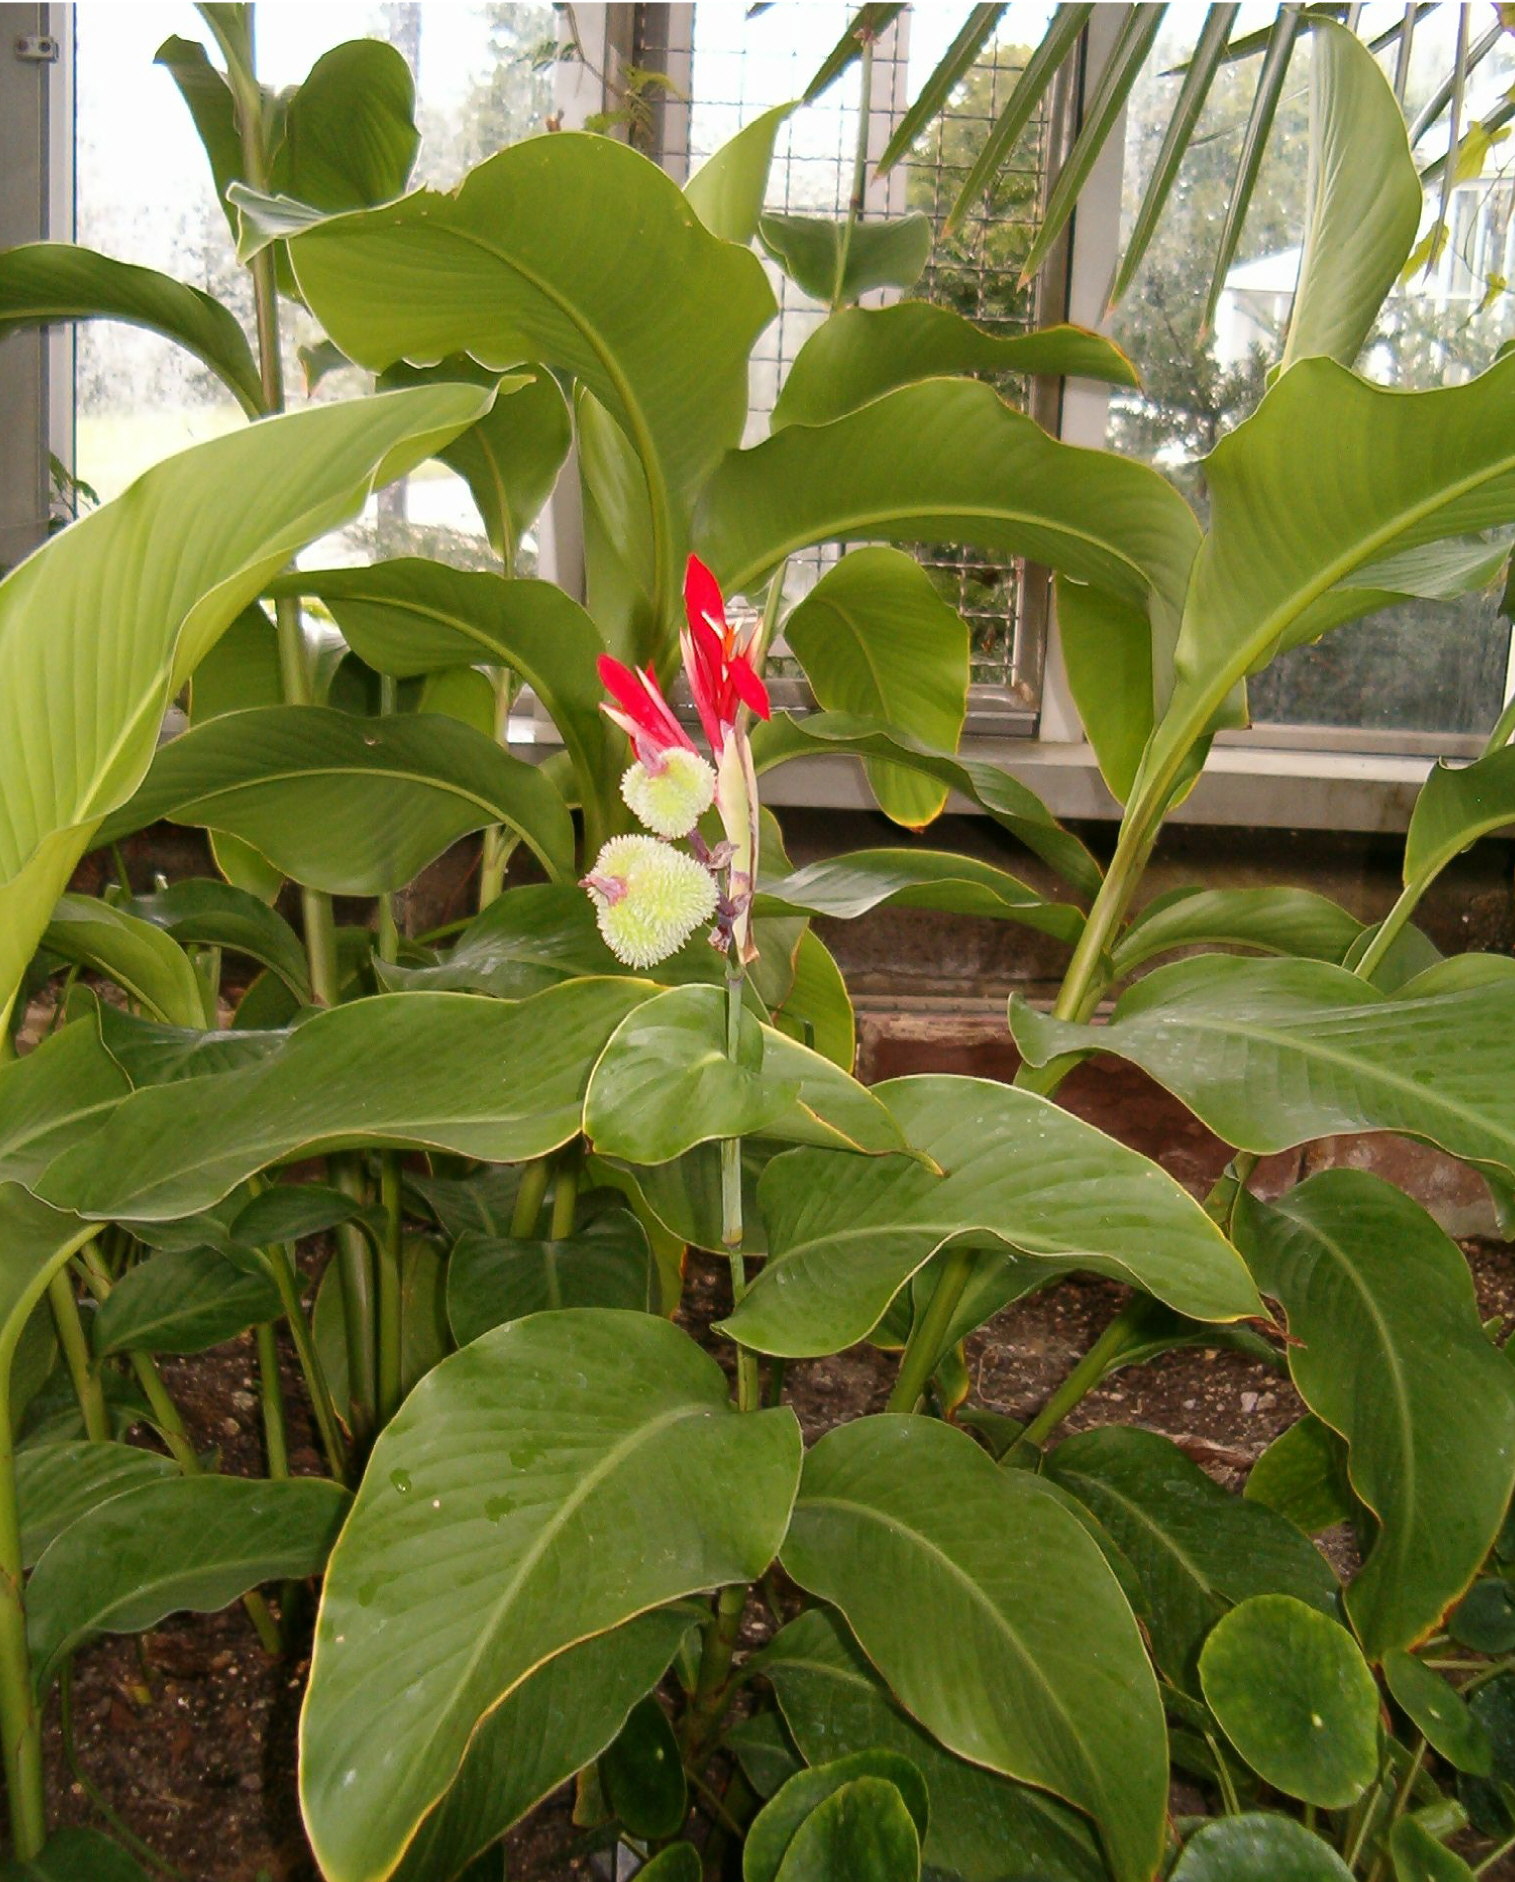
[20, 1721]
[285, 1279]
[528, 1206]
[565, 1199]
[1504, 729]
[498, 842]
[859, 173]
[1228, 1795]
[355, 1263]
[749, 1390]
[1389, 928]
[275, 1437]
[1495, 1855]
[71, 1337]
[1401, 1800]
[928, 1337]
[391, 1297]
[1121, 1333]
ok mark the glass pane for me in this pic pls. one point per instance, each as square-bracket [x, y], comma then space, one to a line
[145, 195]
[1424, 667]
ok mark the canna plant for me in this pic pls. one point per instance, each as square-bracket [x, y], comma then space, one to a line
[556, 1541]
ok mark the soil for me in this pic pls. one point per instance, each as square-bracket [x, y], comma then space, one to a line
[188, 1733]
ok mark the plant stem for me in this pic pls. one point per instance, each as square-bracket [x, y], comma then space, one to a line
[528, 1205]
[928, 1336]
[356, 1265]
[71, 1337]
[391, 1296]
[1401, 1799]
[1389, 929]
[287, 1282]
[859, 172]
[565, 1199]
[20, 1721]
[498, 842]
[1494, 1855]
[748, 1389]
[275, 1438]
[1504, 729]
[1121, 1332]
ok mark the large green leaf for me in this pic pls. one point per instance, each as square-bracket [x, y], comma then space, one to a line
[852, 885]
[992, 1615]
[1455, 807]
[1010, 803]
[862, 1831]
[983, 1827]
[1298, 538]
[1275, 920]
[183, 1302]
[554, 1723]
[1194, 1546]
[209, 99]
[727, 190]
[861, 353]
[845, 1234]
[832, 261]
[492, 1279]
[349, 131]
[54, 1096]
[155, 577]
[575, 251]
[147, 965]
[346, 805]
[665, 1083]
[950, 461]
[35, 1241]
[47, 281]
[877, 639]
[510, 459]
[441, 1071]
[1420, 1856]
[206, 913]
[1273, 1053]
[775, 1827]
[414, 616]
[496, 1526]
[1364, 200]
[1387, 1347]
[1259, 1847]
[1119, 672]
[178, 1543]
[1295, 1697]
[58, 1483]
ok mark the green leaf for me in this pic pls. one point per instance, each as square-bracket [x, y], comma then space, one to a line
[1295, 1697]
[1387, 1347]
[510, 459]
[950, 461]
[845, 1234]
[872, 21]
[875, 638]
[1295, 537]
[58, 1483]
[834, 263]
[575, 251]
[816, 1010]
[727, 190]
[484, 1201]
[1120, 674]
[1488, 1800]
[1303, 1475]
[861, 353]
[642, 1773]
[414, 616]
[665, 1083]
[946, 75]
[992, 1615]
[761, 1745]
[777, 1824]
[982, 1827]
[848, 886]
[1364, 200]
[499, 1507]
[35, 1241]
[555, 1722]
[1272, 1053]
[1006, 800]
[1194, 1546]
[1456, 807]
[1484, 1618]
[439, 1071]
[1275, 920]
[76, 1855]
[1419, 1857]
[680, 1862]
[212, 107]
[147, 965]
[1439, 1713]
[862, 1832]
[156, 576]
[206, 913]
[54, 1096]
[288, 1212]
[183, 1303]
[493, 1279]
[345, 805]
[41, 282]
[349, 131]
[181, 1543]
[1258, 1847]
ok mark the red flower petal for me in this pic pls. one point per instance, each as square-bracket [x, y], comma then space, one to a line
[751, 689]
[702, 594]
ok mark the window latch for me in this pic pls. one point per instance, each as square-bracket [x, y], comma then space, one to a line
[38, 48]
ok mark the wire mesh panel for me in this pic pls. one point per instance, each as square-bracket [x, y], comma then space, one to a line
[727, 64]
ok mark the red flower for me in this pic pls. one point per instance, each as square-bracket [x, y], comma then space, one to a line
[642, 712]
[721, 676]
